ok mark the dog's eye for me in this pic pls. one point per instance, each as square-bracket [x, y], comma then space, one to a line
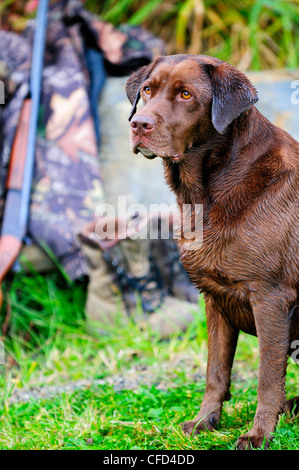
[147, 90]
[185, 95]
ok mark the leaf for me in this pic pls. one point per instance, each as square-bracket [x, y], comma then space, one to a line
[144, 12]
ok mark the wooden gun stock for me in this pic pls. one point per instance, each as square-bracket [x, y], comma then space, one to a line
[10, 242]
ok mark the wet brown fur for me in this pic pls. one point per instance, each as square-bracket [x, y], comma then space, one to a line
[245, 173]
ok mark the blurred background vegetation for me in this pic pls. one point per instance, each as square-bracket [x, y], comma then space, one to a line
[251, 34]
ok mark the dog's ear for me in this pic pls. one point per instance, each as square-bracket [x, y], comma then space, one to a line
[134, 83]
[233, 94]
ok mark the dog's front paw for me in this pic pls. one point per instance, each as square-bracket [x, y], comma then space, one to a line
[248, 442]
[195, 426]
[189, 428]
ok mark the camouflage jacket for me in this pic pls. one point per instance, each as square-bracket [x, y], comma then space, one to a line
[67, 187]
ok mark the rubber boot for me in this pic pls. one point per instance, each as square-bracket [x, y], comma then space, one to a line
[166, 254]
[126, 282]
[104, 303]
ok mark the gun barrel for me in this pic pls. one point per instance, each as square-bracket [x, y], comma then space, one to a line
[35, 91]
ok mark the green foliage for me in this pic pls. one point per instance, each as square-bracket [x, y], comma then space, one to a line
[251, 34]
[14, 14]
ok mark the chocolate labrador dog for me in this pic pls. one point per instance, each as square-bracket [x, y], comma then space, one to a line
[219, 151]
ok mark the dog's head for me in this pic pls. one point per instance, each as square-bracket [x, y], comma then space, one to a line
[185, 99]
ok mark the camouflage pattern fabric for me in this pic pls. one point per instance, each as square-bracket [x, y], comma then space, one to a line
[67, 186]
[15, 55]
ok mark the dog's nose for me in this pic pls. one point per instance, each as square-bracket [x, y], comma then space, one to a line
[142, 124]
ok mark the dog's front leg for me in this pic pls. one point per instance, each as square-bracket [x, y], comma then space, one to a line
[273, 326]
[222, 341]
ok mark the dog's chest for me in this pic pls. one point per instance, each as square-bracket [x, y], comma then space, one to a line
[219, 272]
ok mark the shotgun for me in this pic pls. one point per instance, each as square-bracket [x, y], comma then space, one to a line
[19, 177]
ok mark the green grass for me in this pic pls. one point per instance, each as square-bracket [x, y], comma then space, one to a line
[47, 345]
